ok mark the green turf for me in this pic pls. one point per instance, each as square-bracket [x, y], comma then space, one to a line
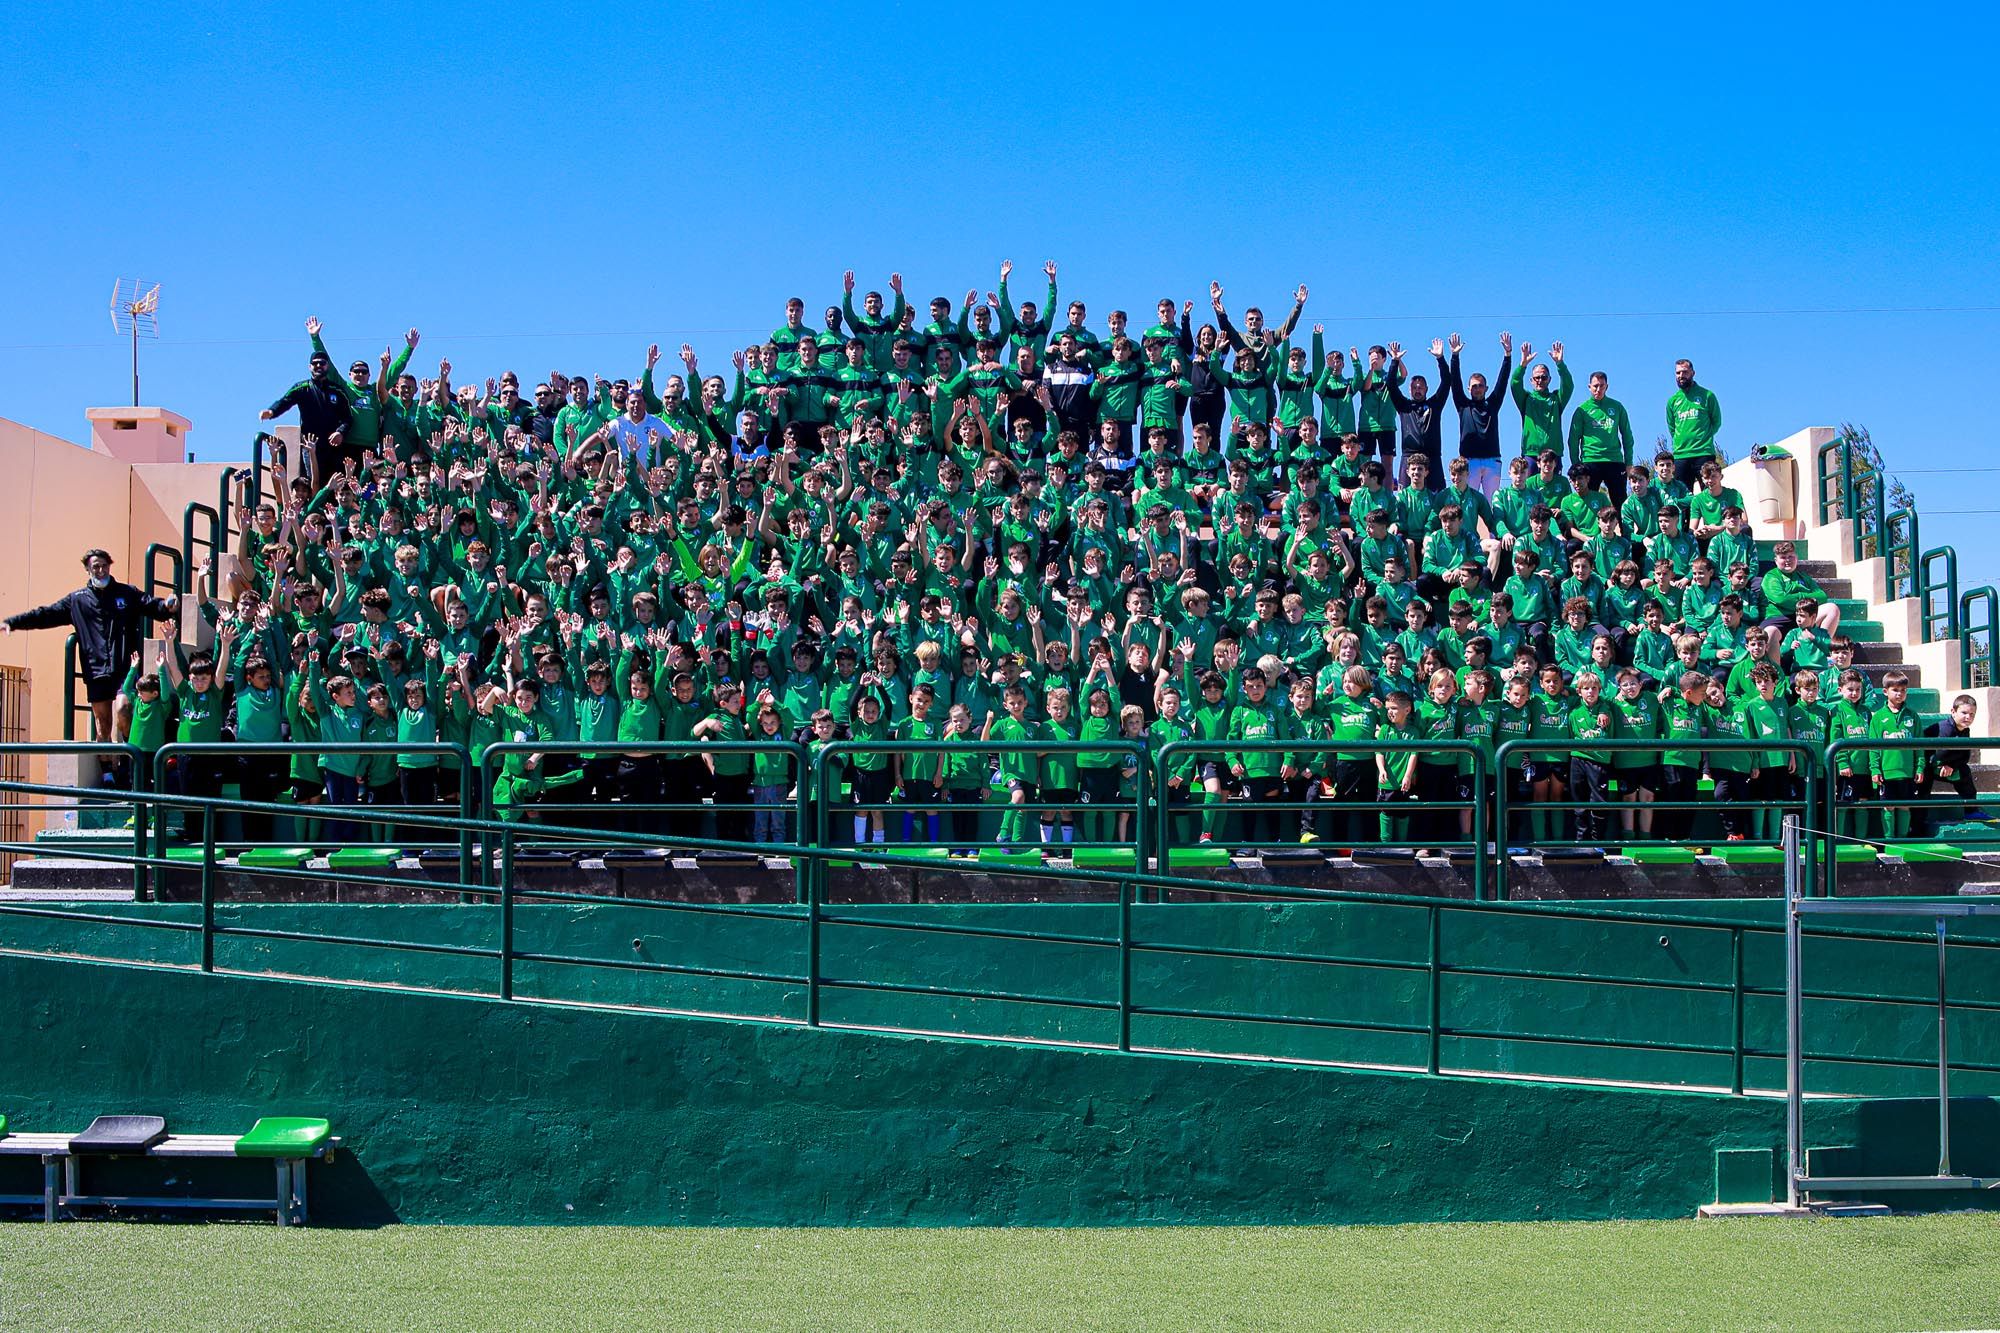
[1862, 1273]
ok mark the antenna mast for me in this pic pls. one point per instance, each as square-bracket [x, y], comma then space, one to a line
[135, 308]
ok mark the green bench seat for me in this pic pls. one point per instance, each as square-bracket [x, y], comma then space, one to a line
[274, 858]
[364, 858]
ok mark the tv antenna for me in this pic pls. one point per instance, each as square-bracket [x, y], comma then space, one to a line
[135, 309]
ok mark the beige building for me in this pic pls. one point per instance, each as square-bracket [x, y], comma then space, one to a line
[125, 489]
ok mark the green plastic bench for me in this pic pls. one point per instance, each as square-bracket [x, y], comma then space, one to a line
[365, 858]
[1006, 856]
[1198, 858]
[274, 858]
[1749, 854]
[1927, 851]
[285, 1136]
[1661, 854]
[1104, 858]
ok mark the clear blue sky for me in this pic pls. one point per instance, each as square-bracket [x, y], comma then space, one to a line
[556, 187]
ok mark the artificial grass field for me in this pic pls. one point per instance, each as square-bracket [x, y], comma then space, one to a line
[1932, 1272]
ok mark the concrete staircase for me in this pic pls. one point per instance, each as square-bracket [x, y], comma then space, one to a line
[1887, 632]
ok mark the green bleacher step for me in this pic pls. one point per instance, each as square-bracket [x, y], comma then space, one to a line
[1920, 852]
[365, 858]
[1003, 856]
[1851, 608]
[1661, 854]
[1925, 701]
[1749, 854]
[1863, 631]
[1198, 858]
[1104, 858]
[922, 853]
[274, 858]
[193, 854]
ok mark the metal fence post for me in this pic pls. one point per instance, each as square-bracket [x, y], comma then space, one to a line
[1482, 781]
[208, 889]
[1944, 1067]
[1736, 1009]
[1436, 979]
[507, 915]
[816, 882]
[466, 797]
[142, 819]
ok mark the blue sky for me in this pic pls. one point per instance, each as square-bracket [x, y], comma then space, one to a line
[555, 187]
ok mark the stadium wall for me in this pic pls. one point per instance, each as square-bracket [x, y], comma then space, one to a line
[457, 1109]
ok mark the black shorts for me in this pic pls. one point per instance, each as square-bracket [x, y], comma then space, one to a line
[101, 689]
[303, 791]
[1632, 779]
[871, 785]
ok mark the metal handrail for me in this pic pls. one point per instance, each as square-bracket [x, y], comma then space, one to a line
[1938, 623]
[1976, 639]
[1527, 747]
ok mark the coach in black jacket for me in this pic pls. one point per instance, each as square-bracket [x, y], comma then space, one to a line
[110, 620]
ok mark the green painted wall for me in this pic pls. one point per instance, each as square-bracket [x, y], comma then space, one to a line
[467, 1110]
[1669, 985]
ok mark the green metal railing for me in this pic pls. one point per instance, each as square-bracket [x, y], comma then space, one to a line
[662, 816]
[1810, 768]
[1125, 978]
[222, 752]
[74, 704]
[161, 585]
[211, 544]
[1978, 621]
[1937, 594]
[1857, 820]
[1328, 754]
[1899, 546]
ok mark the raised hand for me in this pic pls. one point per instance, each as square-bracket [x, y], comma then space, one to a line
[1215, 294]
[411, 338]
[1527, 353]
[1050, 269]
[312, 325]
[1437, 347]
[1556, 353]
[1507, 343]
[652, 356]
[1006, 269]
[896, 283]
[1456, 343]
[1300, 295]
[847, 282]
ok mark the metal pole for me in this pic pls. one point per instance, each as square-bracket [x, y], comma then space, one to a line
[1794, 1021]
[1944, 1069]
[1436, 1000]
[135, 363]
[1736, 1010]
[506, 914]
[209, 889]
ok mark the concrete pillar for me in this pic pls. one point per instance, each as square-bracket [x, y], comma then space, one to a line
[139, 434]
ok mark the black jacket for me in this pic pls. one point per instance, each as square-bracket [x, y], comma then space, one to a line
[1422, 425]
[1479, 421]
[110, 624]
[323, 409]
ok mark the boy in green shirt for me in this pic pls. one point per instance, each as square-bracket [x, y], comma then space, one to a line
[1592, 719]
[1017, 768]
[1766, 717]
[1896, 770]
[1258, 718]
[1637, 771]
